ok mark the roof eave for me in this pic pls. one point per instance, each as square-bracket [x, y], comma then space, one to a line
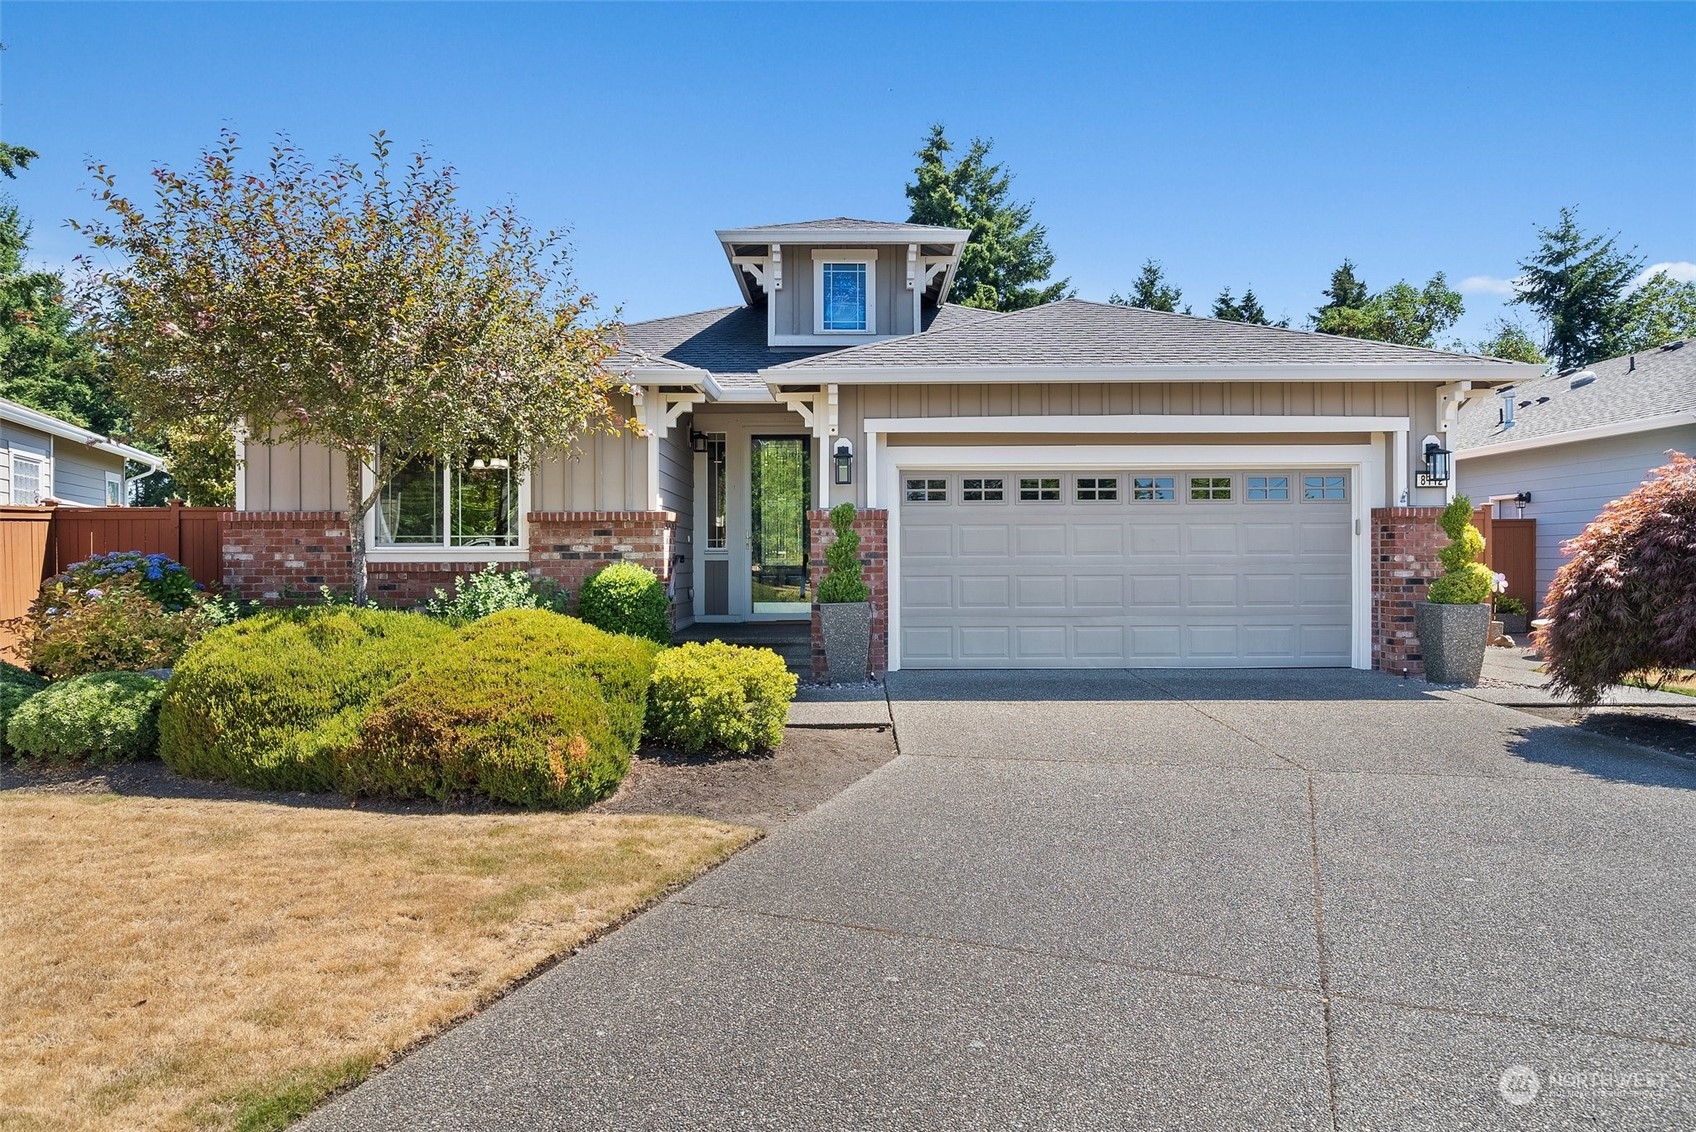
[1487, 372]
[903, 235]
[38, 421]
[1577, 435]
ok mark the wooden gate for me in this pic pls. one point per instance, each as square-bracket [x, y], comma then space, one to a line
[1510, 548]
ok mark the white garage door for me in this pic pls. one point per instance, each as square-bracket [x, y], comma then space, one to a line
[1125, 568]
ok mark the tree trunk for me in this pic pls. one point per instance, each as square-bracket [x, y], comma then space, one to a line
[358, 505]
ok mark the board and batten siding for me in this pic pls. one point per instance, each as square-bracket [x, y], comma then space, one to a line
[793, 310]
[1569, 483]
[677, 494]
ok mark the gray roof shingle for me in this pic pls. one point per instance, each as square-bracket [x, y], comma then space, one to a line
[843, 223]
[1651, 383]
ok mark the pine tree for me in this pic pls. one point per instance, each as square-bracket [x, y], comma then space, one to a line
[1245, 309]
[1400, 313]
[1579, 286]
[1006, 262]
[1151, 291]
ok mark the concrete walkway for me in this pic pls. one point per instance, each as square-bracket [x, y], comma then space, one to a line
[1511, 677]
[1247, 900]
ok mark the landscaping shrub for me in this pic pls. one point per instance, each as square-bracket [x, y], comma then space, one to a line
[103, 717]
[272, 700]
[1467, 581]
[492, 590]
[719, 697]
[842, 581]
[1624, 603]
[123, 630]
[627, 598]
[16, 686]
[524, 706]
[159, 576]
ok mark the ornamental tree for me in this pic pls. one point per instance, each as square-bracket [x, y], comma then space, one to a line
[1624, 603]
[357, 307]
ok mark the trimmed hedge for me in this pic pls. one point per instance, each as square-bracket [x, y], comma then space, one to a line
[720, 697]
[16, 686]
[525, 706]
[627, 598]
[102, 717]
[270, 702]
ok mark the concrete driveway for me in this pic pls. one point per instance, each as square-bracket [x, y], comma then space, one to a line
[1255, 900]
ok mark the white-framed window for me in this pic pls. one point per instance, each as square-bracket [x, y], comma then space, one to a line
[845, 291]
[1324, 487]
[1266, 489]
[432, 504]
[1210, 488]
[29, 479]
[983, 489]
[717, 492]
[114, 489]
[1096, 489]
[1039, 489]
[927, 490]
[1154, 489]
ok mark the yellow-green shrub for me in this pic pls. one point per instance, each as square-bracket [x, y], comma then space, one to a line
[16, 686]
[99, 717]
[719, 697]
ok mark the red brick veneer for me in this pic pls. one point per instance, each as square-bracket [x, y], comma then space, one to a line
[568, 546]
[1405, 542]
[275, 555]
[873, 528]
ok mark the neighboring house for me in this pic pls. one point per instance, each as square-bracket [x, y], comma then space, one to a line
[1076, 484]
[1576, 441]
[43, 458]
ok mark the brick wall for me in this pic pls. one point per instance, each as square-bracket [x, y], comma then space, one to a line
[873, 529]
[1405, 542]
[407, 584]
[275, 555]
[568, 546]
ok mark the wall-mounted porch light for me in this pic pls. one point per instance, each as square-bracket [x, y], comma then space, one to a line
[697, 441]
[1520, 501]
[843, 461]
[1438, 464]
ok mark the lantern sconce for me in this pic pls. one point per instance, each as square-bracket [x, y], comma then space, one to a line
[697, 441]
[1438, 463]
[843, 461]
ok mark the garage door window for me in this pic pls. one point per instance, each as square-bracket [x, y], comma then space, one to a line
[1039, 489]
[1210, 487]
[1154, 489]
[985, 489]
[1097, 489]
[1323, 487]
[927, 491]
[1267, 489]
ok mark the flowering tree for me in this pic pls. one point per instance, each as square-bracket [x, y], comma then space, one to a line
[359, 308]
[1625, 602]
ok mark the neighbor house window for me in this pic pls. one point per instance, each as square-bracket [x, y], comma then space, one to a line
[1323, 487]
[432, 503]
[1154, 489]
[985, 490]
[716, 534]
[1266, 489]
[1210, 487]
[1097, 489]
[28, 480]
[114, 489]
[927, 491]
[846, 282]
[1039, 489]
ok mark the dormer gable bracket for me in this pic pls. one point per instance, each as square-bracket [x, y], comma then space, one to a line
[912, 265]
[776, 267]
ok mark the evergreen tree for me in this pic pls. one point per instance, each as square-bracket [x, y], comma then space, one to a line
[1151, 291]
[1245, 309]
[1006, 262]
[1400, 314]
[1579, 286]
[1347, 292]
[1661, 310]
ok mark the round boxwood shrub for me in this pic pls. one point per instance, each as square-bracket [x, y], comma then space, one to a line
[627, 598]
[525, 706]
[16, 686]
[102, 717]
[719, 697]
[272, 700]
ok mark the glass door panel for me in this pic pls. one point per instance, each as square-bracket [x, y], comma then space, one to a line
[780, 485]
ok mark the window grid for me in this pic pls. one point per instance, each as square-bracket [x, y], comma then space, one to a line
[1097, 489]
[1323, 487]
[844, 296]
[927, 491]
[986, 489]
[1267, 489]
[1215, 488]
[1154, 489]
[1039, 489]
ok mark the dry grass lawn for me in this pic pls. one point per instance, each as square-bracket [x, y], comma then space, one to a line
[212, 964]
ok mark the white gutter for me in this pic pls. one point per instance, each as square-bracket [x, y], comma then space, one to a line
[794, 373]
[64, 430]
[1574, 436]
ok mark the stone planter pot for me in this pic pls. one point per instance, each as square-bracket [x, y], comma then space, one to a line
[1452, 640]
[1514, 624]
[847, 629]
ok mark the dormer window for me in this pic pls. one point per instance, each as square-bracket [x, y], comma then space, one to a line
[845, 291]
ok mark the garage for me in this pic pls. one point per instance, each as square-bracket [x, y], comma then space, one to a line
[1126, 567]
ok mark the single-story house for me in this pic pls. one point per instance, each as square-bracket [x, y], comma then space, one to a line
[1559, 448]
[1076, 484]
[44, 458]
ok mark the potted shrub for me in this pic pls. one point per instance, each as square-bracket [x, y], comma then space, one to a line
[1513, 615]
[1453, 621]
[844, 613]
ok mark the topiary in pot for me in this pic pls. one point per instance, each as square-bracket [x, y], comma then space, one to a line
[845, 614]
[1453, 621]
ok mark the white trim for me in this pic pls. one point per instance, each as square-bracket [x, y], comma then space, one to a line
[1138, 423]
[42, 463]
[846, 372]
[1364, 463]
[54, 427]
[899, 234]
[118, 479]
[865, 257]
[438, 552]
[1577, 435]
[241, 466]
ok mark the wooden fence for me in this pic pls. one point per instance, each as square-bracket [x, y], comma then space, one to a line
[38, 542]
[1510, 548]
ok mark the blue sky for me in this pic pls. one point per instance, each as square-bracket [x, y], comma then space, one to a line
[1238, 145]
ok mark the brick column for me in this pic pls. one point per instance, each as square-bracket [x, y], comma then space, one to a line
[568, 546]
[276, 555]
[873, 529]
[1405, 542]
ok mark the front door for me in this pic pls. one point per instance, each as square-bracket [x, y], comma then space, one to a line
[780, 484]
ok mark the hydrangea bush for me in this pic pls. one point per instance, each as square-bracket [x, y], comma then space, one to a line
[159, 576]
